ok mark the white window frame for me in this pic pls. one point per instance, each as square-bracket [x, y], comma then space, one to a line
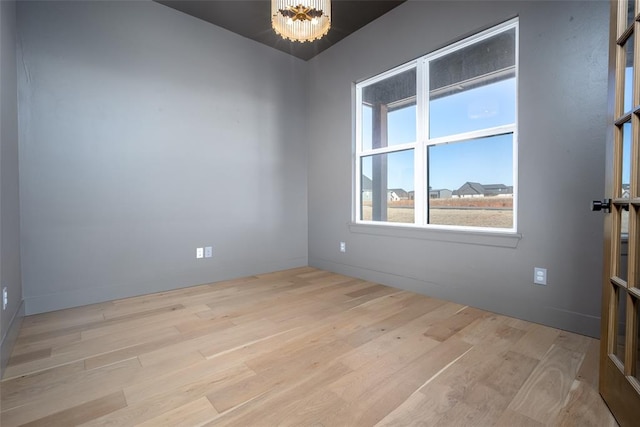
[423, 141]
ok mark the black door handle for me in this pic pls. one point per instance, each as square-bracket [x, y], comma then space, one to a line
[604, 205]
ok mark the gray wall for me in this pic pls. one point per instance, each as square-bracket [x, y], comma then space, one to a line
[10, 276]
[146, 133]
[562, 125]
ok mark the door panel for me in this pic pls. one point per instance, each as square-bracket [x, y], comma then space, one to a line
[619, 367]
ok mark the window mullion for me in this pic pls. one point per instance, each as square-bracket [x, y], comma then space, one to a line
[357, 187]
[498, 130]
[420, 169]
[389, 149]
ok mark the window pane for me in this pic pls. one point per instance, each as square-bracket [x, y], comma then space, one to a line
[389, 112]
[630, 11]
[471, 182]
[637, 373]
[473, 88]
[401, 123]
[626, 160]
[628, 76]
[367, 131]
[624, 231]
[623, 259]
[621, 325]
[387, 183]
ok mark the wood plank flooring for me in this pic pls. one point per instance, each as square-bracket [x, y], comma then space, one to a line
[297, 347]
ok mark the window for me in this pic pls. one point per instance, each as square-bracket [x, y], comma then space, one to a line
[436, 139]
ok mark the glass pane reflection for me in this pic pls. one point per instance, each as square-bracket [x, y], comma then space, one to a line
[626, 160]
[402, 124]
[471, 182]
[637, 373]
[630, 12]
[624, 244]
[621, 324]
[387, 182]
[474, 87]
[628, 76]
[389, 111]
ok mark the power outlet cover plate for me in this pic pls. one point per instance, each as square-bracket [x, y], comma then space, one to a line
[540, 276]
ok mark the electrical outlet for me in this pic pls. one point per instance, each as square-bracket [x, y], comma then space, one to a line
[540, 276]
[208, 251]
[199, 253]
[5, 298]
[343, 247]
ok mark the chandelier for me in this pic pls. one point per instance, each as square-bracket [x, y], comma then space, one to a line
[301, 20]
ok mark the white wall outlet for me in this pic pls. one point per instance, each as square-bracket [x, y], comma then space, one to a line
[343, 247]
[208, 251]
[5, 298]
[540, 276]
[199, 253]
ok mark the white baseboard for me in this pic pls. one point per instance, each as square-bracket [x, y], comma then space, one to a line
[555, 317]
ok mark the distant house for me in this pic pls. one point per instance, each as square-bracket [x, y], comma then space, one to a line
[397, 194]
[497, 190]
[475, 189]
[469, 189]
[394, 194]
[440, 194]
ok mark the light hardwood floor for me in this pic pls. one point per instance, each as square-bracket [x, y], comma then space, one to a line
[298, 347]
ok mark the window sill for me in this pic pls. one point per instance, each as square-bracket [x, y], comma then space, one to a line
[482, 238]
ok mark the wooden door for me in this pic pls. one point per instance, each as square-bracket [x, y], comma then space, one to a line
[619, 366]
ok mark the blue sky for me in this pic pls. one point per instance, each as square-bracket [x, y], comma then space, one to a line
[628, 87]
[486, 160]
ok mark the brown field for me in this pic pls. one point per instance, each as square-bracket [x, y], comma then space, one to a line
[480, 212]
[472, 218]
[480, 202]
[463, 217]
